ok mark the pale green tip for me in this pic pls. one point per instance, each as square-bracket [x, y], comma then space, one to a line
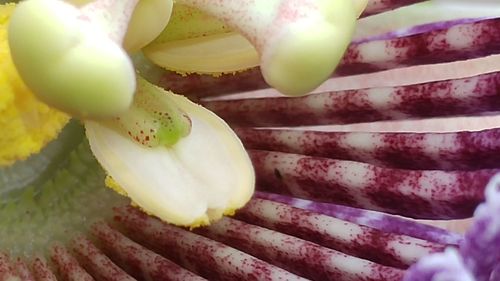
[153, 119]
[68, 62]
[305, 54]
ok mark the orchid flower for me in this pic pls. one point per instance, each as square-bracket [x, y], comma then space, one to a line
[156, 98]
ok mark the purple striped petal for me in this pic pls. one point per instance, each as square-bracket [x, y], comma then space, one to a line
[417, 194]
[142, 263]
[23, 271]
[379, 6]
[416, 151]
[7, 271]
[360, 241]
[97, 263]
[67, 265]
[296, 255]
[457, 42]
[42, 271]
[373, 219]
[445, 98]
[206, 257]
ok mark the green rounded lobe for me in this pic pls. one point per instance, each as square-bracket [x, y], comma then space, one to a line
[69, 63]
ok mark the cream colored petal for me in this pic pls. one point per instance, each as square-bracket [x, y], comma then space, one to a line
[198, 179]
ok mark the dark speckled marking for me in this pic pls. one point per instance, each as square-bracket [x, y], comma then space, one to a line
[41, 270]
[364, 242]
[378, 6]
[97, 263]
[434, 99]
[67, 266]
[23, 270]
[7, 270]
[296, 255]
[196, 253]
[419, 194]
[137, 260]
[456, 151]
[433, 46]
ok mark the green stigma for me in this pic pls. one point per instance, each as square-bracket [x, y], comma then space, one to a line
[153, 119]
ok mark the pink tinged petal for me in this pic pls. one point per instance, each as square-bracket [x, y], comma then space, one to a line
[417, 151]
[415, 74]
[459, 226]
[296, 255]
[360, 241]
[418, 194]
[67, 266]
[481, 246]
[206, 257]
[97, 263]
[142, 263]
[373, 35]
[379, 6]
[7, 271]
[377, 220]
[459, 42]
[41, 270]
[445, 98]
[111, 15]
[197, 86]
[23, 271]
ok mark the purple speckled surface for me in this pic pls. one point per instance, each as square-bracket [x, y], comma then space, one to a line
[418, 29]
[377, 220]
[423, 194]
[467, 96]
[379, 6]
[415, 151]
[365, 242]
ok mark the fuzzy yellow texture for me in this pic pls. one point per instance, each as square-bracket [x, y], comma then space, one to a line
[26, 124]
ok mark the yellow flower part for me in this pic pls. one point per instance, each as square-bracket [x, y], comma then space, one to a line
[26, 123]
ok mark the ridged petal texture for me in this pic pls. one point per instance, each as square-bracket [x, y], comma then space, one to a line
[340, 201]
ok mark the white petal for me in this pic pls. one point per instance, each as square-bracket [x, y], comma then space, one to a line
[199, 178]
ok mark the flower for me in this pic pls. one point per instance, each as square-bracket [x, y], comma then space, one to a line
[292, 227]
[147, 139]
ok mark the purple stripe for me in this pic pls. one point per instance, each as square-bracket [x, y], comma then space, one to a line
[415, 151]
[468, 96]
[382, 221]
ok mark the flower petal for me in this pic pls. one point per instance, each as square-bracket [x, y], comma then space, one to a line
[202, 176]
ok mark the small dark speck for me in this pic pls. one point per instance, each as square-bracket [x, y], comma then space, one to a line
[278, 174]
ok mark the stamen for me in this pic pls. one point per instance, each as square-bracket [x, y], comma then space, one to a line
[299, 42]
[148, 19]
[153, 119]
[189, 181]
[72, 58]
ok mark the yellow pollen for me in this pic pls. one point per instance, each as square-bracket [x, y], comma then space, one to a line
[27, 124]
